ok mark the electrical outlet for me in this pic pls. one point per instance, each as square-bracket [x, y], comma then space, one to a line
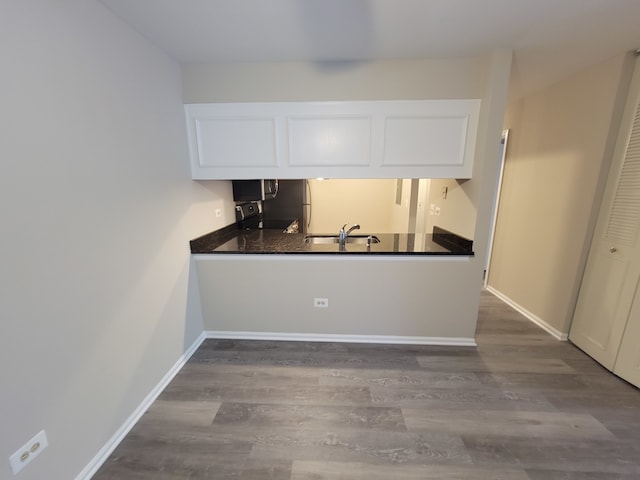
[28, 452]
[321, 302]
[218, 212]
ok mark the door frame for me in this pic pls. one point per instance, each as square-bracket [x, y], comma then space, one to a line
[496, 205]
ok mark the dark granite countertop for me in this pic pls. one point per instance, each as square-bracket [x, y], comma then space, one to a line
[231, 239]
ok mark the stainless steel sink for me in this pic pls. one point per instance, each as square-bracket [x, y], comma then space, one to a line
[328, 239]
[321, 239]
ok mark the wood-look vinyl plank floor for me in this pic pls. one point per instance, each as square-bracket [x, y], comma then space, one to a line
[520, 406]
[314, 470]
[299, 394]
[310, 417]
[362, 446]
[509, 423]
[603, 456]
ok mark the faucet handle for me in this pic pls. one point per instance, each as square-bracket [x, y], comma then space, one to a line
[342, 236]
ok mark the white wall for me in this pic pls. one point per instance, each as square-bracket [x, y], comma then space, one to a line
[560, 145]
[96, 208]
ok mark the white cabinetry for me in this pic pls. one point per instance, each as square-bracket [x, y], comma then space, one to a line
[225, 137]
[382, 139]
[330, 141]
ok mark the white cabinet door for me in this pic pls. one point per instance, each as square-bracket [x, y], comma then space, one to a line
[439, 135]
[613, 266]
[378, 139]
[330, 141]
[236, 142]
[224, 138]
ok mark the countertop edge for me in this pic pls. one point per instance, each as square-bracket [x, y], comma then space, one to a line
[211, 243]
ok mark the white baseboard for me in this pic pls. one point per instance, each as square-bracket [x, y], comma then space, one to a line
[530, 316]
[321, 337]
[129, 423]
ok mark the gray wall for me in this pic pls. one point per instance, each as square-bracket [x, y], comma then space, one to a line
[97, 208]
[384, 296]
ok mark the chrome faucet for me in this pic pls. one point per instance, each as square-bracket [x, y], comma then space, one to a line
[342, 238]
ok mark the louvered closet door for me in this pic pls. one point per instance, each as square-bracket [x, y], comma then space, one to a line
[611, 277]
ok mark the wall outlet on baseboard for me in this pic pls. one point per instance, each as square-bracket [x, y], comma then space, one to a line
[321, 302]
[28, 452]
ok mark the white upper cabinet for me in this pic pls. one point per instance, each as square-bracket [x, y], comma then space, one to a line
[382, 139]
[227, 137]
[331, 141]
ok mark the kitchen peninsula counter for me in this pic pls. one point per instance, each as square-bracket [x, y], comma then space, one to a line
[267, 284]
[233, 240]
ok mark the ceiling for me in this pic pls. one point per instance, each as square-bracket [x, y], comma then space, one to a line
[550, 38]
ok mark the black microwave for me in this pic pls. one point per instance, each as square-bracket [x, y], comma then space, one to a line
[253, 190]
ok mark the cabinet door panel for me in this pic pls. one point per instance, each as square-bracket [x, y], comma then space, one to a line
[343, 141]
[236, 142]
[425, 141]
